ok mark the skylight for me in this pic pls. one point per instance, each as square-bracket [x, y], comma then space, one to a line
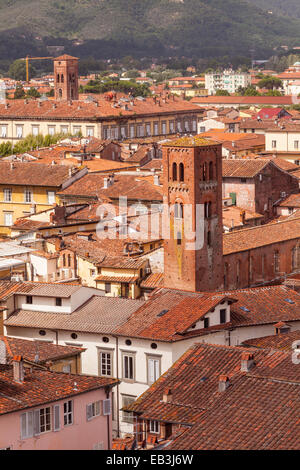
[245, 309]
[289, 301]
[162, 313]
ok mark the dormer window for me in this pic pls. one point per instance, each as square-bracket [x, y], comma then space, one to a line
[29, 299]
[58, 301]
[223, 315]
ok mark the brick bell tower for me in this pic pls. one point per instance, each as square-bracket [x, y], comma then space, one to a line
[193, 176]
[66, 78]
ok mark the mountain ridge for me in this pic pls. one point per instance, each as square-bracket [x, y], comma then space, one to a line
[199, 28]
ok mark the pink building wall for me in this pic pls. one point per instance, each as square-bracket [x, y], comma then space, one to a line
[81, 435]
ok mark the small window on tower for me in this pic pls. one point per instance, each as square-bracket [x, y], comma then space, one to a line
[174, 171]
[181, 172]
[62, 79]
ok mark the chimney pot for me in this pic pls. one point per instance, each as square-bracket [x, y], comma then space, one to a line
[224, 383]
[167, 396]
[247, 362]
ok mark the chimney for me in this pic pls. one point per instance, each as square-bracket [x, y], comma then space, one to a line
[247, 362]
[167, 396]
[224, 383]
[243, 216]
[2, 352]
[156, 180]
[18, 369]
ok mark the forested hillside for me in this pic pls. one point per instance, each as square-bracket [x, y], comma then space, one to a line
[114, 28]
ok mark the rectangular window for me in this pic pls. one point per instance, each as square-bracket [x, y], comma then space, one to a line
[51, 197]
[35, 131]
[132, 131]
[56, 417]
[154, 427]
[296, 144]
[27, 195]
[127, 400]
[223, 315]
[123, 132]
[76, 130]
[8, 219]
[194, 125]
[58, 301]
[44, 421]
[172, 127]
[93, 410]
[29, 299]
[179, 128]
[164, 127]
[90, 132]
[206, 322]
[274, 144]
[67, 368]
[153, 369]
[64, 129]
[140, 130]
[19, 130]
[7, 195]
[155, 128]
[51, 130]
[128, 366]
[148, 129]
[68, 413]
[3, 132]
[105, 359]
[202, 129]
[27, 425]
[107, 288]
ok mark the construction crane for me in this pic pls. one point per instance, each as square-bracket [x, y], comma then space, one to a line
[27, 58]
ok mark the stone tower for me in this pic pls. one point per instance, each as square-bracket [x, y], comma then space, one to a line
[193, 194]
[66, 78]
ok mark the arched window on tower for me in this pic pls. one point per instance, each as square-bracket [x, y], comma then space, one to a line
[211, 171]
[207, 209]
[62, 79]
[204, 171]
[181, 172]
[174, 171]
[209, 238]
[295, 258]
[238, 273]
[178, 210]
[226, 276]
[276, 261]
[57, 78]
[60, 93]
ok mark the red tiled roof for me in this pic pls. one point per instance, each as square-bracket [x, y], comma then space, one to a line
[258, 410]
[251, 238]
[244, 100]
[282, 342]
[33, 174]
[241, 168]
[42, 387]
[93, 111]
[45, 351]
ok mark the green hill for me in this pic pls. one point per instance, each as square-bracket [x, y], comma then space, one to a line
[104, 28]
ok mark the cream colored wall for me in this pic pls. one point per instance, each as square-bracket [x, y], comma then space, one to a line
[44, 128]
[284, 141]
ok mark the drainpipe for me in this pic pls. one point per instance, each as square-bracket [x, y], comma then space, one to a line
[107, 390]
[118, 387]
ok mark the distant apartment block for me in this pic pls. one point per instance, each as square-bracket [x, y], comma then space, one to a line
[227, 80]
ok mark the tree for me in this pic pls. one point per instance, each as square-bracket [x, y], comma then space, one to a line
[33, 93]
[270, 83]
[222, 93]
[19, 93]
[17, 70]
